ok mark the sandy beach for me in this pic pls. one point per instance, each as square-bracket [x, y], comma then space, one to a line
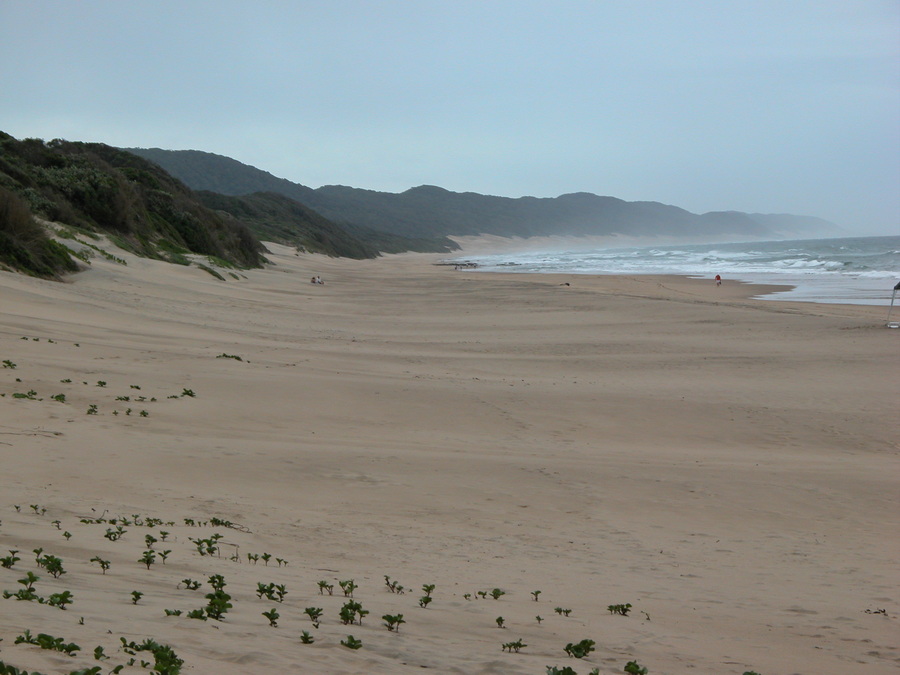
[727, 466]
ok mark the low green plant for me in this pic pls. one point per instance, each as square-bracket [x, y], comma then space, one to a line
[115, 534]
[620, 609]
[148, 558]
[351, 642]
[424, 601]
[173, 612]
[210, 270]
[31, 395]
[272, 615]
[348, 587]
[190, 584]
[562, 611]
[501, 622]
[188, 392]
[136, 596]
[352, 611]
[8, 561]
[52, 564]
[104, 564]
[392, 621]
[496, 593]
[217, 581]
[60, 599]
[92, 409]
[165, 660]
[207, 546]
[219, 602]
[514, 646]
[556, 670]
[61, 398]
[579, 650]
[271, 591]
[635, 668]
[197, 614]
[393, 586]
[535, 594]
[9, 364]
[306, 638]
[45, 641]
[314, 613]
[67, 535]
[539, 618]
[29, 580]
[325, 586]
[27, 594]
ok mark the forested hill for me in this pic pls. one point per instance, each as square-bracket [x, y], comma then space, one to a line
[98, 188]
[95, 188]
[429, 211]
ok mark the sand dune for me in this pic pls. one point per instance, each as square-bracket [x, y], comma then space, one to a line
[728, 466]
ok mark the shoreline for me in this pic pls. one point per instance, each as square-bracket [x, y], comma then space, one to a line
[794, 286]
[725, 464]
[673, 287]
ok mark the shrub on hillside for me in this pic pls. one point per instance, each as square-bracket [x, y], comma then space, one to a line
[24, 245]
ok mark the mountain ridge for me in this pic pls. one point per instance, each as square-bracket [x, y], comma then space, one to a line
[432, 211]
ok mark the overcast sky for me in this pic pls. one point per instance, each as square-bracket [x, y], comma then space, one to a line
[776, 107]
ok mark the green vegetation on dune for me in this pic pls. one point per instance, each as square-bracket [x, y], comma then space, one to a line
[98, 188]
[92, 189]
[277, 218]
[24, 245]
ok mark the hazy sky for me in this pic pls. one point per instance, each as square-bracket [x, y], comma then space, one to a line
[789, 106]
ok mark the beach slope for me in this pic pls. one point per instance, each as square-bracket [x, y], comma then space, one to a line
[726, 466]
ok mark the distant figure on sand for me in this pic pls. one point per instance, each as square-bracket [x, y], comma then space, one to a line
[718, 280]
[316, 280]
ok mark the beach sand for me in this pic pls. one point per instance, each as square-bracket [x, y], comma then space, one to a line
[726, 465]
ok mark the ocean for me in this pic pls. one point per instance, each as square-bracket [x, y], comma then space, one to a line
[858, 270]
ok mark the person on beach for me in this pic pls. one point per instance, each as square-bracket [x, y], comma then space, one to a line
[718, 280]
